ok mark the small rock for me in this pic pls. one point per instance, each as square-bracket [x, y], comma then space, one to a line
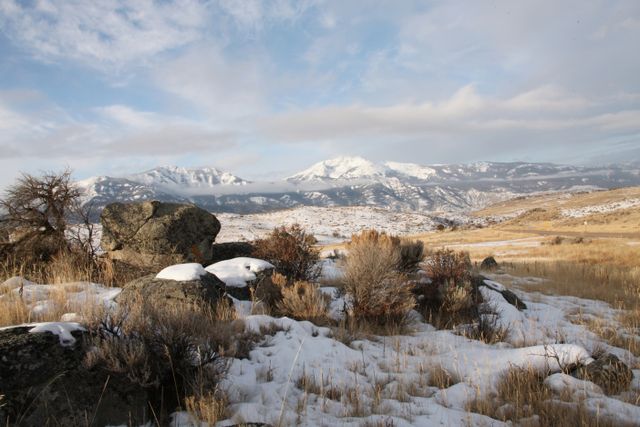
[489, 263]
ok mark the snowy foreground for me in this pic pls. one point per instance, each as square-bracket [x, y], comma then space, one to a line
[303, 376]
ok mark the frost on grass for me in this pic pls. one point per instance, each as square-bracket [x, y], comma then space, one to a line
[237, 272]
[182, 272]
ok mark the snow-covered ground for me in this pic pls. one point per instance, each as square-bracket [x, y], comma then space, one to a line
[302, 375]
[334, 224]
[604, 208]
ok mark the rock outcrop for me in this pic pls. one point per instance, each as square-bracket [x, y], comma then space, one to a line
[207, 289]
[47, 383]
[229, 250]
[156, 234]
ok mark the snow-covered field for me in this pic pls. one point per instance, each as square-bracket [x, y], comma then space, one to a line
[332, 225]
[604, 208]
[302, 375]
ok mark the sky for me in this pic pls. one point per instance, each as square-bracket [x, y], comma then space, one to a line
[264, 89]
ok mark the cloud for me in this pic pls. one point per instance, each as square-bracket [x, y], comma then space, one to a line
[256, 14]
[100, 33]
[219, 87]
[465, 123]
[115, 131]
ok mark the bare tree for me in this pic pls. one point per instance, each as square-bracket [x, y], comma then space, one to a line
[36, 214]
[40, 203]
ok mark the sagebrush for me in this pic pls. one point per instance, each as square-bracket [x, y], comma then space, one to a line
[378, 291]
[292, 251]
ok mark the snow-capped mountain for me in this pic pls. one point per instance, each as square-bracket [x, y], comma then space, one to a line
[173, 177]
[340, 168]
[354, 181]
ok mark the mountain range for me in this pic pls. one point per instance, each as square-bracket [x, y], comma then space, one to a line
[354, 181]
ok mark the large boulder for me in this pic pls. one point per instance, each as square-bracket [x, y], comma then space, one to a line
[207, 289]
[45, 382]
[229, 250]
[245, 277]
[158, 234]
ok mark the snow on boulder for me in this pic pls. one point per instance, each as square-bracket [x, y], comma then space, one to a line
[182, 272]
[239, 272]
[61, 329]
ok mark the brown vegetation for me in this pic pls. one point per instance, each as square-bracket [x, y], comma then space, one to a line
[379, 292]
[291, 250]
[523, 397]
[304, 301]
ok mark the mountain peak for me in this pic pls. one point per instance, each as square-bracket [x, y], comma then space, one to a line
[169, 176]
[340, 168]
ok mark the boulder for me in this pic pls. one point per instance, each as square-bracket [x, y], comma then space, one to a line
[608, 372]
[158, 234]
[207, 289]
[46, 383]
[489, 263]
[229, 250]
[244, 276]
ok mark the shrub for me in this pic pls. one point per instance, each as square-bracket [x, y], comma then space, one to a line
[291, 250]
[304, 301]
[450, 299]
[411, 255]
[378, 292]
[410, 252]
[173, 351]
[446, 265]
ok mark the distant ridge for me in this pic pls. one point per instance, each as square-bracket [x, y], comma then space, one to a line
[355, 181]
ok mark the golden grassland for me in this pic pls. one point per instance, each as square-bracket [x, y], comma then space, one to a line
[563, 200]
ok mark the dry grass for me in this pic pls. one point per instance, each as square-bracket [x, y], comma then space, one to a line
[304, 301]
[438, 377]
[66, 267]
[48, 305]
[522, 398]
[564, 201]
[619, 286]
[208, 408]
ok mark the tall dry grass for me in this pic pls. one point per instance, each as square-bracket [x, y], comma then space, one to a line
[523, 399]
[48, 303]
[69, 266]
[304, 301]
[617, 285]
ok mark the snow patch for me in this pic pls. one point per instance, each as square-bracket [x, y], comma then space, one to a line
[237, 272]
[62, 329]
[182, 272]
